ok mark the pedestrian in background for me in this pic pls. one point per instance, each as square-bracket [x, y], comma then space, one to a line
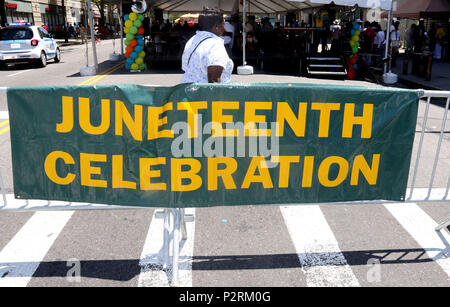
[440, 34]
[395, 42]
[410, 38]
[83, 34]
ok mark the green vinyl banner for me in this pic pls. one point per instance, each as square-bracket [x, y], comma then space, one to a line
[199, 145]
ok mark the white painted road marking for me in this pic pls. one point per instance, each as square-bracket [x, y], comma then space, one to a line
[151, 261]
[4, 115]
[320, 257]
[18, 73]
[421, 227]
[21, 257]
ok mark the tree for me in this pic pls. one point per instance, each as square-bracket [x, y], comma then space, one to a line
[65, 30]
[101, 5]
[2, 13]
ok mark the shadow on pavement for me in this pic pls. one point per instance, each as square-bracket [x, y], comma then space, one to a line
[127, 269]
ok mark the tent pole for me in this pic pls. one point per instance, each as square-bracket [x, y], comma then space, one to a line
[91, 21]
[121, 27]
[389, 77]
[244, 33]
[388, 38]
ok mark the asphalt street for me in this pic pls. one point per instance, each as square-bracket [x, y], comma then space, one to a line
[381, 244]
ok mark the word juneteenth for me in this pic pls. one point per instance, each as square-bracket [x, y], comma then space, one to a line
[150, 123]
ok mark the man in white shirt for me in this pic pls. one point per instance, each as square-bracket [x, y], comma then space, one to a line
[205, 59]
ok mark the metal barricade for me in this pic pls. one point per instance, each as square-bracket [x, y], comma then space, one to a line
[177, 233]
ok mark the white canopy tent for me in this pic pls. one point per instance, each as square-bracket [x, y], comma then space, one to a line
[248, 6]
[265, 7]
[260, 6]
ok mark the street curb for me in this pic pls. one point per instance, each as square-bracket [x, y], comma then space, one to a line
[63, 44]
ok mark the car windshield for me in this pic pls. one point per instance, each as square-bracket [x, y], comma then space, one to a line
[12, 34]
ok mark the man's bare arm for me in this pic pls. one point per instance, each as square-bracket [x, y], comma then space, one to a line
[214, 74]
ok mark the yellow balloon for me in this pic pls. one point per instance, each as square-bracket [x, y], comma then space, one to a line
[128, 24]
[357, 32]
[133, 16]
[139, 61]
[126, 30]
[134, 66]
[141, 54]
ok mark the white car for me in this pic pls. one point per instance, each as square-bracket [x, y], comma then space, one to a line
[23, 43]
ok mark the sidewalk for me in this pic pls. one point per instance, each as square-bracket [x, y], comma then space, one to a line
[440, 76]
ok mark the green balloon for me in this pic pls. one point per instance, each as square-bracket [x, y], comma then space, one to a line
[133, 30]
[355, 50]
[357, 44]
[142, 67]
[137, 23]
[127, 42]
[130, 36]
[141, 17]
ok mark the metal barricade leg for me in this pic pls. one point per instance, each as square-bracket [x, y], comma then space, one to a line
[183, 225]
[2, 190]
[172, 240]
[176, 246]
[166, 246]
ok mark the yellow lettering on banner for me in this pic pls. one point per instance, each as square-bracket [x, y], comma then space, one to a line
[285, 166]
[146, 174]
[370, 173]
[192, 108]
[325, 113]
[297, 124]
[117, 174]
[86, 170]
[50, 167]
[178, 175]
[85, 116]
[324, 170]
[257, 163]
[154, 122]
[250, 117]
[225, 174]
[350, 120]
[67, 115]
[218, 118]
[133, 125]
[308, 167]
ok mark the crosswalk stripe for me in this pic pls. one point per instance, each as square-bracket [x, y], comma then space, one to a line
[422, 228]
[151, 260]
[320, 257]
[20, 258]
